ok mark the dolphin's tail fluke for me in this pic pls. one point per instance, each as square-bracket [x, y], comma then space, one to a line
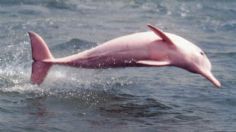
[42, 58]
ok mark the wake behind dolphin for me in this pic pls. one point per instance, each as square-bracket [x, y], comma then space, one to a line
[145, 49]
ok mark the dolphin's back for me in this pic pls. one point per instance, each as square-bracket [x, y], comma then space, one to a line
[119, 52]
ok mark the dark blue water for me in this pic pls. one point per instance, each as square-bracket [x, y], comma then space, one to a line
[123, 99]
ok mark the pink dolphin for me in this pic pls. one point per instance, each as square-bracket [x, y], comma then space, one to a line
[150, 49]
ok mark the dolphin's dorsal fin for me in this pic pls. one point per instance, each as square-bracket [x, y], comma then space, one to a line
[160, 34]
[154, 62]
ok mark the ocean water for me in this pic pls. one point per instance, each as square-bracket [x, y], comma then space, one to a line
[121, 99]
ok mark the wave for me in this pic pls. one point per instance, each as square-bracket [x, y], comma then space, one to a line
[57, 4]
[72, 46]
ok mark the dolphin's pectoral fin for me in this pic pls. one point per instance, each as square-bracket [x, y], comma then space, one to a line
[153, 63]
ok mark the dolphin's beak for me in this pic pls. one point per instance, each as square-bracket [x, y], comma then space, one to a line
[208, 75]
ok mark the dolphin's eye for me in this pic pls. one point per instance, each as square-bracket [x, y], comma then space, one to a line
[202, 53]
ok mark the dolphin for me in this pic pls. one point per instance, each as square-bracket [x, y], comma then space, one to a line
[153, 48]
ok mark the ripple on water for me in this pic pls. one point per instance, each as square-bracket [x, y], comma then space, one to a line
[133, 106]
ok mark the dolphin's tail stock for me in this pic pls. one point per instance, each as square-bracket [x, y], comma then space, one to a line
[42, 58]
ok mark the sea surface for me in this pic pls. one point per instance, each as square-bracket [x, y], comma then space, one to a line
[166, 99]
